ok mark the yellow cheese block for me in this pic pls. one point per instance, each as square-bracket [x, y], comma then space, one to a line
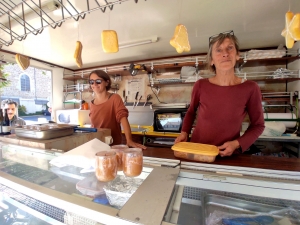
[109, 40]
[77, 54]
[196, 148]
[195, 151]
[23, 61]
[291, 32]
[180, 40]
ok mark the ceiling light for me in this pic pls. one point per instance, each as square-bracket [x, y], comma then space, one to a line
[140, 42]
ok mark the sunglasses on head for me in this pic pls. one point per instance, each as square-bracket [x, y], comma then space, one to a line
[97, 81]
[226, 33]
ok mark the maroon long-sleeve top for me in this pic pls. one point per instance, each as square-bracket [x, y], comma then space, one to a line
[221, 111]
[109, 115]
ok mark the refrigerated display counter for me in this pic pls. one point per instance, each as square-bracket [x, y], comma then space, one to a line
[173, 192]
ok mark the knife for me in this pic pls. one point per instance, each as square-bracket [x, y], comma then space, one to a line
[147, 99]
[138, 101]
[125, 101]
[135, 99]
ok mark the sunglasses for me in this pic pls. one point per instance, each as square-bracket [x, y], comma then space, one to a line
[226, 33]
[97, 81]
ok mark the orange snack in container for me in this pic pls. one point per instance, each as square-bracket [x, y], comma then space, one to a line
[106, 166]
[119, 152]
[132, 162]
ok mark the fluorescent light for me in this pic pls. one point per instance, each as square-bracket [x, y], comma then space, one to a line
[140, 42]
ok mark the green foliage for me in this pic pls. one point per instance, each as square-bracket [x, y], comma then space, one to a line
[6, 83]
[22, 110]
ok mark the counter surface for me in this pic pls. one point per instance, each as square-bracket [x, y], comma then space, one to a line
[261, 162]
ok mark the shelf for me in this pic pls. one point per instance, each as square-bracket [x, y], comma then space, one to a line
[170, 84]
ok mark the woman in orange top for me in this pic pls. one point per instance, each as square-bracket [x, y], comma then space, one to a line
[107, 110]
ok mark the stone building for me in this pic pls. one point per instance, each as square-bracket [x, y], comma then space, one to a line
[30, 88]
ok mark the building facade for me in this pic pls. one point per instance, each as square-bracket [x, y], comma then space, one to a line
[30, 88]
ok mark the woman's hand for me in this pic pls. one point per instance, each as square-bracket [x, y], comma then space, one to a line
[132, 144]
[228, 148]
[183, 136]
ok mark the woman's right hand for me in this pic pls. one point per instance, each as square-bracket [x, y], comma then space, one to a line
[183, 136]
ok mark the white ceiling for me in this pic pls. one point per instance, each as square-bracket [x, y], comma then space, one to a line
[257, 23]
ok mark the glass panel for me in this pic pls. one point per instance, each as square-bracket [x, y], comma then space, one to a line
[193, 206]
[69, 180]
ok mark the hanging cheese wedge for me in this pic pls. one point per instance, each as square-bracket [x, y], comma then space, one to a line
[23, 61]
[291, 32]
[180, 40]
[77, 54]
[195, 151]
[109, 39]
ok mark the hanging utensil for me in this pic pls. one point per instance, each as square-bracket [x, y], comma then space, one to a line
[136, 96]
[138, 101]
[147, 99]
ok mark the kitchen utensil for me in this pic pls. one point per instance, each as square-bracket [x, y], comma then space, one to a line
[147, 99]
[138, 101]
[125, 101]
[136, 96]
[85, 129]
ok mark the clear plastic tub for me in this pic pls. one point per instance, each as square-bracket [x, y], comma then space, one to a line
[90, 186]
[195, 151]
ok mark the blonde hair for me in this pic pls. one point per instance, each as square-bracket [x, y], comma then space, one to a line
[219, 40]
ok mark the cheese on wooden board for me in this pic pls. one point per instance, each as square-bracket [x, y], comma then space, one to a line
[23, 61]
[180, 40]
[109, 39]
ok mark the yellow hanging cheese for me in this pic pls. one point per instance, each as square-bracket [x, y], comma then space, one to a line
[180, 40]
[109, 40]
[77, 54]
[291, 31]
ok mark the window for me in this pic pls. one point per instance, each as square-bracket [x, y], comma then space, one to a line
[25, 83]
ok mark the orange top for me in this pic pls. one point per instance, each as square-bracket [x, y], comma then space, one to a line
[108, 115]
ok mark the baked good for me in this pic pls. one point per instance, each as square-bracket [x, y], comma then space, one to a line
[77, 54]
[180, 40]
[23, 61]
[291, 32]
[195, 151]
[109, 39]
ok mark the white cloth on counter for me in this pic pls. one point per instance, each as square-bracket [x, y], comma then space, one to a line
[82, 156]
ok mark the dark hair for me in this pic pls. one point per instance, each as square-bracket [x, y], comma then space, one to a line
[219, 40]
[8, 102]
[102, 74]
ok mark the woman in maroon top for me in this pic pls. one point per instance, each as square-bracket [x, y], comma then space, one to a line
[222, 102]
[107, 110]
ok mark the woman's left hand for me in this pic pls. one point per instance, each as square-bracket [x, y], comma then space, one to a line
[228, 148]
[135, 145]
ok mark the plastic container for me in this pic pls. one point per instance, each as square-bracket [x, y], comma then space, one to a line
[195, 151]
[132, 162]
[106, 166]
[90, 186]
[119, 152]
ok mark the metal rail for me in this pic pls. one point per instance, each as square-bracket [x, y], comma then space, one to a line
[17, 12]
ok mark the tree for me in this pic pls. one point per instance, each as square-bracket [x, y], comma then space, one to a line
[4, 83]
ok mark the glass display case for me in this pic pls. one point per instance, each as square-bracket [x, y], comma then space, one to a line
[33, 192]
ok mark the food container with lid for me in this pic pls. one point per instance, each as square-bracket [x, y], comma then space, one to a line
[106, 166]
[132, 162]
[195, 151]
[90, 186]
[119, 152]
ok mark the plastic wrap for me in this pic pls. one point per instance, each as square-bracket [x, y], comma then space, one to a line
[284, 216]
[121, 189]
